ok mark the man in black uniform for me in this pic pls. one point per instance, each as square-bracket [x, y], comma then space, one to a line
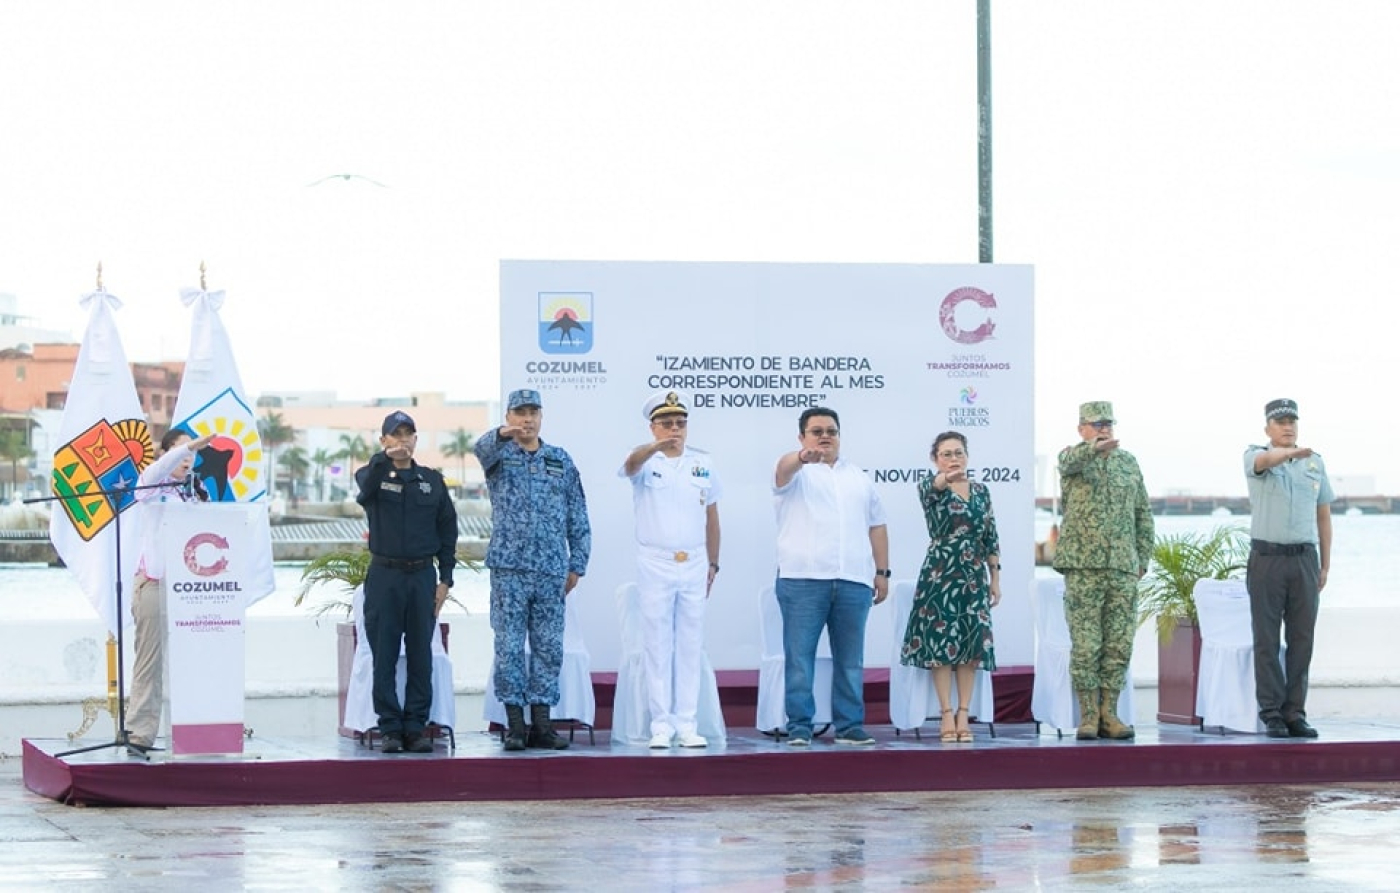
[411, 521]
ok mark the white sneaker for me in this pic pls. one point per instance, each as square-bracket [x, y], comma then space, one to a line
[660, 741]
[690, 739]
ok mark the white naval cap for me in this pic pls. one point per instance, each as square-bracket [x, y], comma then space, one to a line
[663, 403]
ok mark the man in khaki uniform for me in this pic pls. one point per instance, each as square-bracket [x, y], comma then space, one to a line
[1105, 545]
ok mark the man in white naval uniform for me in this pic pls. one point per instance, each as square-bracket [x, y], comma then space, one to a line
[675, 492]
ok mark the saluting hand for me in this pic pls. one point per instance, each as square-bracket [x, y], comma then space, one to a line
[808, 457]
[200, 443]
[1105, 445]
[398, 451]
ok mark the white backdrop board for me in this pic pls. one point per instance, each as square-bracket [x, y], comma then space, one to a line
[901, 352]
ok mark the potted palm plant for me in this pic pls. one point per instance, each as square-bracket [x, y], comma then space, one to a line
[1166, 594]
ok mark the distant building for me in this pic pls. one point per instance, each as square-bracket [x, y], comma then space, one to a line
[321, 423]
[18, 331]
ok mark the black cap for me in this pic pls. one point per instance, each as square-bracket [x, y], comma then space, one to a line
[1280, 409]
[393, 420]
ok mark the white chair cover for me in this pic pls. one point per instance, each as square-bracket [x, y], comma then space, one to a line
[912, 697]
[631, 717]
[1225, 693]
[772, 710]
[359, 696]
[576, 701]
[1052, 696]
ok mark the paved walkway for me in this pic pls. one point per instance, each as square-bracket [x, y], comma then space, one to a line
[1339, 837]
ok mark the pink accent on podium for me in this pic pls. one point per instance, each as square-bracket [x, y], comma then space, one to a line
[206, 738]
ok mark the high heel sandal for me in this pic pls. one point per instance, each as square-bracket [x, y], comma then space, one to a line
[947, 727]
[964, 735]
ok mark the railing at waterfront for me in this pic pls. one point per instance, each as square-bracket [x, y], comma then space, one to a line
[291, 541]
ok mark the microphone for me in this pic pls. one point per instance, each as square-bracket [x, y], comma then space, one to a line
[188, 494]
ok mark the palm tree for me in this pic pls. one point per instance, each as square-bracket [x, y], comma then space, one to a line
[319, 460]
[14, 448]
[459, 448]
[354, 449]
[296, 463]
[274, 431]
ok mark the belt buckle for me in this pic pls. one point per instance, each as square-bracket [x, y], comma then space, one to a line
[682, 557]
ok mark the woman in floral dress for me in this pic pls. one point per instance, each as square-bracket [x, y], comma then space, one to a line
[950, 626]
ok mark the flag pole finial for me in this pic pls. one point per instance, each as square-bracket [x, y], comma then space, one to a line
[201, 276]
[99, 275]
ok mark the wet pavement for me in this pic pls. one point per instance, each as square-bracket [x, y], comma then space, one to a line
[1332, 837]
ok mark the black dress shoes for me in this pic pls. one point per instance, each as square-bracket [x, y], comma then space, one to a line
[1276, 728]
[393, 743]
[1299, 728]
[417, 744]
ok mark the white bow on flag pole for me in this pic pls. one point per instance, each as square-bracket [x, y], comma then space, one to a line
[105, 445]
[233, 467]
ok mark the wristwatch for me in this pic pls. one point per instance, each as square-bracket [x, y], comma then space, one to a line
[884, 572]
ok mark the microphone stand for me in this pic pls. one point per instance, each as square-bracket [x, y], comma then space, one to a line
[123, 737]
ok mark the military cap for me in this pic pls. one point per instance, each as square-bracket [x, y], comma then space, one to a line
[393, 420]
[1095, 411]
[663, 403]
[524, 397]
[1280, 409]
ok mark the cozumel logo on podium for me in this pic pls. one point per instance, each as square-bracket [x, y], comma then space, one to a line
[566, 322]
[104, 457]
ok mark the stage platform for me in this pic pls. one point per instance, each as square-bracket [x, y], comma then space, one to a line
[332, 769]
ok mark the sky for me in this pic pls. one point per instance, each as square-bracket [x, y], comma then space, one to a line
[1209, 192]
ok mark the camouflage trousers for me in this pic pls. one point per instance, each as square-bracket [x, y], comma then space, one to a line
[527, 605]
[1101, 612]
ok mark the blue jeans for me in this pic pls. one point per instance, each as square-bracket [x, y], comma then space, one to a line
[841, 607]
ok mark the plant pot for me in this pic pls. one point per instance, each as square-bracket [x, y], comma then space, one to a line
[346, 639]
[1178, 665]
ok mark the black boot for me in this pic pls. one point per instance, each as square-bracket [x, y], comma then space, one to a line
[542, 730]
[515, 727]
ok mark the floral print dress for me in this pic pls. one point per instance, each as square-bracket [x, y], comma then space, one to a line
[951, 621]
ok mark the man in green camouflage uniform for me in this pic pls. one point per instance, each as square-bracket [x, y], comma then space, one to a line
[1104, 547]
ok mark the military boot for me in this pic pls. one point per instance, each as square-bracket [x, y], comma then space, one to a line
[1088, 715]
[542, 734]
[1110, 726]
[515, 727]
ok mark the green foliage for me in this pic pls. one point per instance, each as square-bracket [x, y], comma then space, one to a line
[346, 570]
[1178, 561]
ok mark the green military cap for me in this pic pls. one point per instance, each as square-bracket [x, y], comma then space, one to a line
[1095, 411]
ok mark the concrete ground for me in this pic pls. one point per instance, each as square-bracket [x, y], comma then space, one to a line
[1212, 838]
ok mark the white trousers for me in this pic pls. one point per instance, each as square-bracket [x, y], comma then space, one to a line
[672, 598]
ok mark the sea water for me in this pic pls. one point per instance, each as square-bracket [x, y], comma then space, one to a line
[1362, 575]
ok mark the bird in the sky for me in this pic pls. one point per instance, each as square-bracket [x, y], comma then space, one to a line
[348, 177]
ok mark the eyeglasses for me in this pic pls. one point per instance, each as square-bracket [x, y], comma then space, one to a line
[954, 454]
[824, 432]
[1101, 424]
[670, 423]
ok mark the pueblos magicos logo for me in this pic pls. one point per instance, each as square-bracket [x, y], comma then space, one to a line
[948, 315]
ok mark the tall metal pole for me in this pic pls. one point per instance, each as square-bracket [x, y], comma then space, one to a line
[984, 131]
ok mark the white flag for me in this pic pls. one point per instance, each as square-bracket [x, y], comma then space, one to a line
[233, 467]
[106, 444]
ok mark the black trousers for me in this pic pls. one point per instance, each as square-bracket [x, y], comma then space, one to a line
[399, 616]
[1283, 593]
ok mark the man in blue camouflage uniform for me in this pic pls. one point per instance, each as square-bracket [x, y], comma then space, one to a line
[1105, 545]
[539, 548]
[411, 522]
[1290, 529]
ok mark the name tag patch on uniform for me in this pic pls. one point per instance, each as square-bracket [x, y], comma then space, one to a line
[554, 467]
[391, 487]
